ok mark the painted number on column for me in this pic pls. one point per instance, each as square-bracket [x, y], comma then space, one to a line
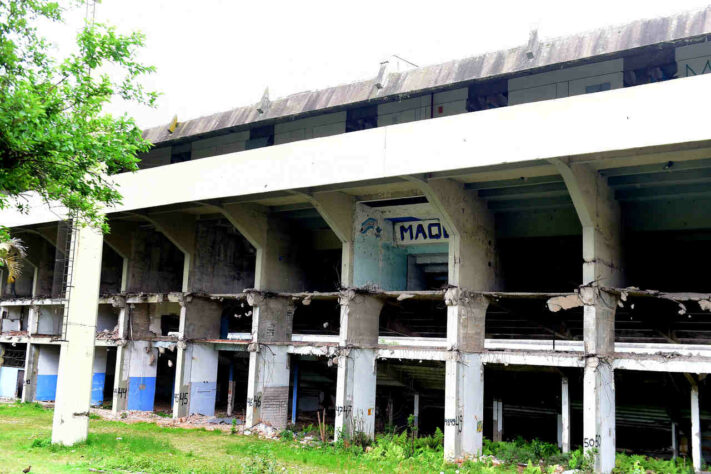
[455, 422]
[592, 442]
[181, 398]
[120, 392]
[346, 410]
[255, 402]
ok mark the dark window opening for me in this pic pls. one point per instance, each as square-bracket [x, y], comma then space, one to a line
[259, 137]
[362, 118]
[654, 65]
[180, 153]
[488, 95]
[169, 323]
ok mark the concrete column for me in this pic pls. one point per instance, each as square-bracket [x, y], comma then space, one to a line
[231, 386]
[356, 379]
[71, 410]
[464, 389]
[696, 447]
[564, 415]
[599, 378]
[338, 210]
[33, 321]
[31, 362]
[416, 411]
[121, 377]
[599, 215]
[98, 377]
[498, 420]
[268, 384]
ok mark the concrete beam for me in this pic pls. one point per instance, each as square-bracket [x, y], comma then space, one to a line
[599, 215]
[179, 228]
[71, 411]
[338, 210]
[472, 253]
[120, 239]
[274, 269]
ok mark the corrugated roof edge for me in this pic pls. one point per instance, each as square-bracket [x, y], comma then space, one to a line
[592, 44]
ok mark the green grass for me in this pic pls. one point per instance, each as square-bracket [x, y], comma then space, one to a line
[25, 431]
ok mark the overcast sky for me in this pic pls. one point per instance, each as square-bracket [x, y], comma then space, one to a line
[213, 55]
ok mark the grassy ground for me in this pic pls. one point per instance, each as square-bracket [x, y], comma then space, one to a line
[144, 447]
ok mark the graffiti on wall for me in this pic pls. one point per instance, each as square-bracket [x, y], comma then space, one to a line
[420, 232]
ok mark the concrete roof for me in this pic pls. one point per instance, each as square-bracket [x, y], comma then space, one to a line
[584, 46]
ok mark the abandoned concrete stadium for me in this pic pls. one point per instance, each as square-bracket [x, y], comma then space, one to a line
[388, 246]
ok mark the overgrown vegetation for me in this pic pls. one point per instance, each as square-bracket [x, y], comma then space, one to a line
[112, 446]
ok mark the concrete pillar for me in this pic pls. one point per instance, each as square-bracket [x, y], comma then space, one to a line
[472, 266]
[696, 447]
[674, 444]
[599, 215]
[464, 389]
[599, 378]
[98, 377]
[119, 401]
[231, 385]
[71, 410]
[356, 379]
[564, 415]
[338, 210]
[498, 420]
[31, 362]
[33, 321]
[416, 412]
[268, 384]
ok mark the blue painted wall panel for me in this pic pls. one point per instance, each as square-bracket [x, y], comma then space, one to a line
[46, 388]
[97, 389]
[141, 393]
[8, 381]
[202, 398]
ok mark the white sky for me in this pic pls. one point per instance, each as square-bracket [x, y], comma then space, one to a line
[213, 55]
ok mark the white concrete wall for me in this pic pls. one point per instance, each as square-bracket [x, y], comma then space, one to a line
[565, 82]
[50, 320]
[693, 59]
[312, 127]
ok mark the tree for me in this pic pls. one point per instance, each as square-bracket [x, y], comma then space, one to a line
[55, 138]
